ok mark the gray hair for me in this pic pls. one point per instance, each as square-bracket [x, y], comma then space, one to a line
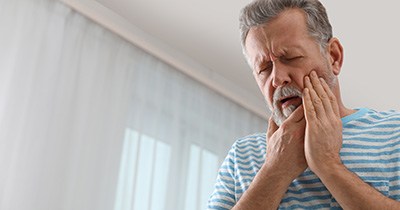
[260, 12]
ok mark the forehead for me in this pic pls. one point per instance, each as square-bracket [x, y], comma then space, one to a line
[288, 31]
[287, 24]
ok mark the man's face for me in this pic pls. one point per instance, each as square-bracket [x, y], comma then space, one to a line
[281, 54]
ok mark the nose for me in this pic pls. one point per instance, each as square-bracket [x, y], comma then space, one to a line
[280, 75]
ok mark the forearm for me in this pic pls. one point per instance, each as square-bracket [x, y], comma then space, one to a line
[265, 192]
[351, 192]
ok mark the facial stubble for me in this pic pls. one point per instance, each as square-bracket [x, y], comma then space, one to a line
[279, 114]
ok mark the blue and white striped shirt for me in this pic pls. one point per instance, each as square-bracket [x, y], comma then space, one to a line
[371, 149]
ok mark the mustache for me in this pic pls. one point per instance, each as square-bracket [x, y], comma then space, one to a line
[285, 91]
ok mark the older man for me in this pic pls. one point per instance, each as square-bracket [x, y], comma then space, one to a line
[316, 154]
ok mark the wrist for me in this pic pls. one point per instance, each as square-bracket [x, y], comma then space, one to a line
[278, 173]
[328, 169]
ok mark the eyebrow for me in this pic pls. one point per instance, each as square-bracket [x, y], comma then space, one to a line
[259, 61]
[293, 47]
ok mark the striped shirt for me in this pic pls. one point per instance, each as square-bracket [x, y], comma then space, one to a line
[371, 149]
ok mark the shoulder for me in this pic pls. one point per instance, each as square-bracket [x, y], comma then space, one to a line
[256, 140]
[374, 127]
[380, 118]
[253, 145]
[390, 115]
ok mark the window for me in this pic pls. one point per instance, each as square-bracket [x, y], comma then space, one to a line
[143, 175]
[201, 174]
[145, 169]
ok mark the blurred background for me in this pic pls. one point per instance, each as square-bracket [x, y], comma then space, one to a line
[133, 105]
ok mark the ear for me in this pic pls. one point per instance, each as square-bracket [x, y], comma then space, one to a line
[335, 55]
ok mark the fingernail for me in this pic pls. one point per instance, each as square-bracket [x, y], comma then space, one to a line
[313, 74]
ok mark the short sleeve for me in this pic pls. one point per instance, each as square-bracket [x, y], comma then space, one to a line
[223, 196]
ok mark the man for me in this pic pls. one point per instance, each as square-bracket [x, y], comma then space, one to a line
[316, 154]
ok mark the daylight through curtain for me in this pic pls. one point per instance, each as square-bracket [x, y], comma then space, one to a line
[89, 121]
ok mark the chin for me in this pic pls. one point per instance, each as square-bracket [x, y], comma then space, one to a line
[281, 115]
[289, 110]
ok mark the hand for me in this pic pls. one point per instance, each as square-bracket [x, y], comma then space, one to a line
[323, 135]
[285, 145]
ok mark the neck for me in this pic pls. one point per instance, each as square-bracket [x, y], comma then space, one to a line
[344, 111]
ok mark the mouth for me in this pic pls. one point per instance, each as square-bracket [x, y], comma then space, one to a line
[290, 100]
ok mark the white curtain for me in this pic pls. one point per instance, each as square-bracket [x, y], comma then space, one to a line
[89, 121]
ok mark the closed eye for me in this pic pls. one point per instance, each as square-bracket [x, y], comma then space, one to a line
[290, 59]
[267, 68]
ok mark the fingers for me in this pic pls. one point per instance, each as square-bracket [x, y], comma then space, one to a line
[331, 96]
[314, 98]
[297, 114]
[322, 97]
[321, 92]
[272, 127]
[309, 110]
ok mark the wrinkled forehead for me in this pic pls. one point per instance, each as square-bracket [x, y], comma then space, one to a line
[282, 29]
[256, 38]
[256, 46]
[286, 34]
[262, 48]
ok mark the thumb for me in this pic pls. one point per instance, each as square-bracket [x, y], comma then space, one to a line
[297, 114]
[272, 127]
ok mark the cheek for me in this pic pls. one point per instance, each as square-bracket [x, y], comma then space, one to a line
[269, 93]
[324, 72]
[266, 88]
[301, 82]
[320, 69]
[260, 82]
[297, 79]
